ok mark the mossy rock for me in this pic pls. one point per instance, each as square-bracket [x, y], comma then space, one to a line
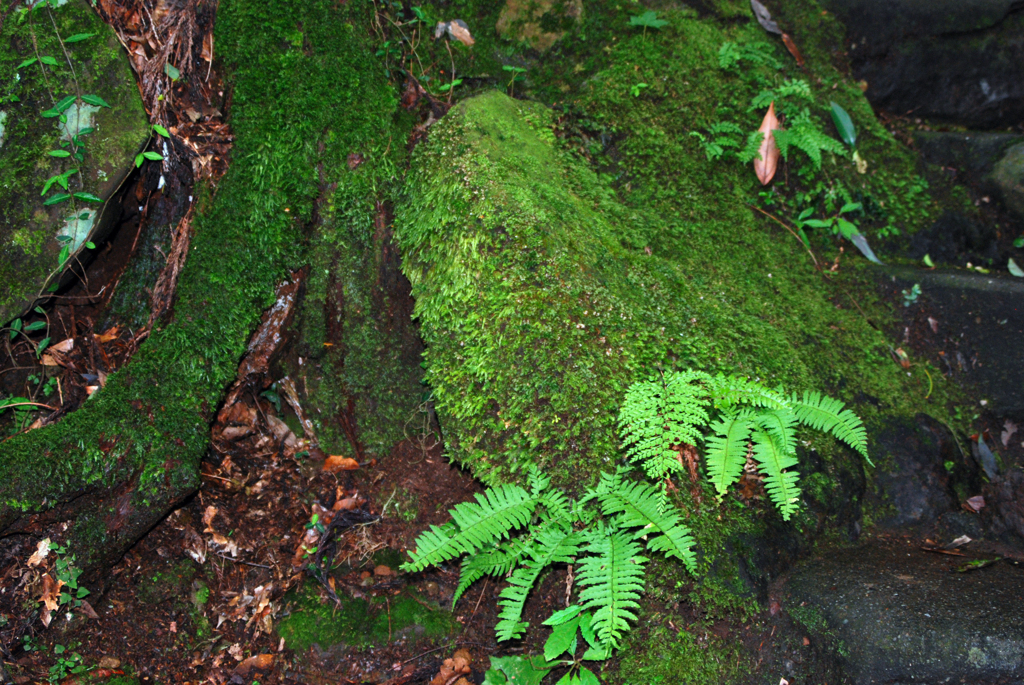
[29, 228]
[362, 623]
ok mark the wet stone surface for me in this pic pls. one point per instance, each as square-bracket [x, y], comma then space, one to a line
[898, 614]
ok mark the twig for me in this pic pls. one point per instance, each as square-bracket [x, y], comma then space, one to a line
[479, 599]
[239, 561]
[788, 228]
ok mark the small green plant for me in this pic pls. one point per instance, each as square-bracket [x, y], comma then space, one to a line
[637, 88]
[72, 593]
[839, 225]
[724, 140]
[647, 20]
[516, 71]
[910, 295]
[66, 664]
[517, 532]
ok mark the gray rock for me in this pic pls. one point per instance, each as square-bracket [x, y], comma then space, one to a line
[980, 328]
[910, 475]
[895, 613]
[958, 61]
[1008, 176]
[973, 154]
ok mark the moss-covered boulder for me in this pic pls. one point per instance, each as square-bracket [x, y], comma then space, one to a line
[62, 59]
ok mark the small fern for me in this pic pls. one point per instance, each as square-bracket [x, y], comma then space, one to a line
[517, 533]
[803, 132]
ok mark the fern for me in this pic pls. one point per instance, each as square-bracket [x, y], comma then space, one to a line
[775, 451]
[826, 414]
[659, 414]
[494, 514]
[492, 560]
[726, 451]
[730, 391]
[803, 133]
[557, 543]
[612, 579]
[642, 506]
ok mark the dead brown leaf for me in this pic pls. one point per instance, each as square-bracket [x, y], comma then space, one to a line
[768, 154]
[791, 46]
[337, 462]
[208, 514]
[42, 551]
[453, 669]
[50, 597]
[259, 662]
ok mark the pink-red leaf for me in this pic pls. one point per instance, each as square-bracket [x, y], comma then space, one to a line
[768, 154]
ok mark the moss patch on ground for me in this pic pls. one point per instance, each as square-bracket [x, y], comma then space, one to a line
[359, 623]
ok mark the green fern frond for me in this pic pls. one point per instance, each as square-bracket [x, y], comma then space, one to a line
[731, 391]
[611, 577]
[775, 451]
[805, 134]
[643, 506]
[495, 513]
[659, 414]
[553, 544]
[726, 450]
[827, 414]
[492, 560]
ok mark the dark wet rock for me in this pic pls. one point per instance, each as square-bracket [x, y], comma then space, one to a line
[956, 239]
[1004, 510]
[951, 60]
[897, 614]
[911, 476]
[972, 153]
[980, 329]
[1008, 177]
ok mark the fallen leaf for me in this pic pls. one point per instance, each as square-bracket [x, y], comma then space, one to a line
[962, 540]
[933, 324]
[458, 30]
[110, 334]
[110, 662]
[336, 462]
[860, 163]
[1014, 268]
[902, 358]
[383, 570]
[236, 651]
[975, 504]
[229, 545]
[207, 53]
[764, 17]
[793, 50]
[50, 597]
[858, 239]
[259, 662]
[452, 668]
[1009, 428]
[768, 154]
[987, 458]
[88, 610]
[208, 515]
[43, 549]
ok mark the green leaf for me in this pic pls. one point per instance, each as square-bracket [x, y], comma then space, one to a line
[16, 325]
[49, 113]
[153, 156]
[726, 451]
[844, 124]
[27, 63]
[39, 310]
[78, 37]
[85, 131]
[46, 59]
[562, 636]
[95, 100]
[1019, 242]
[851, 207]
[818, 223]
[172, 71]
[82, 592]
[648, 19]
[928, 262]
[161, 130]
[587, 677]
[54, 199]
[611, 576]
[66, 102]
[65, 252]
[138, 159]
[560, 617]
[517, 670]
[1014, 268]
[90, 245]
[59, 153]
[35, 326]
[58, 649]
[43, 344]
[87, 197]
[846, 228]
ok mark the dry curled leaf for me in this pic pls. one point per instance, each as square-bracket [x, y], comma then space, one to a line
[791, 46]
[50, 597]
[42, 550]
[336, 462]
[768, 154]
[764, 17]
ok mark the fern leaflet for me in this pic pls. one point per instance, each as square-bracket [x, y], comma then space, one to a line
[495, 513]
[827, 414]
[491, 560]
[775, 451]
[553, 544]
[727, 450]
[730, 391]
[612, 578]
[643, 506]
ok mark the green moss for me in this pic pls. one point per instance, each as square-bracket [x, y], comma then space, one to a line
[29, 246]
[361, 623]
[662, 656]
[147, 429]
